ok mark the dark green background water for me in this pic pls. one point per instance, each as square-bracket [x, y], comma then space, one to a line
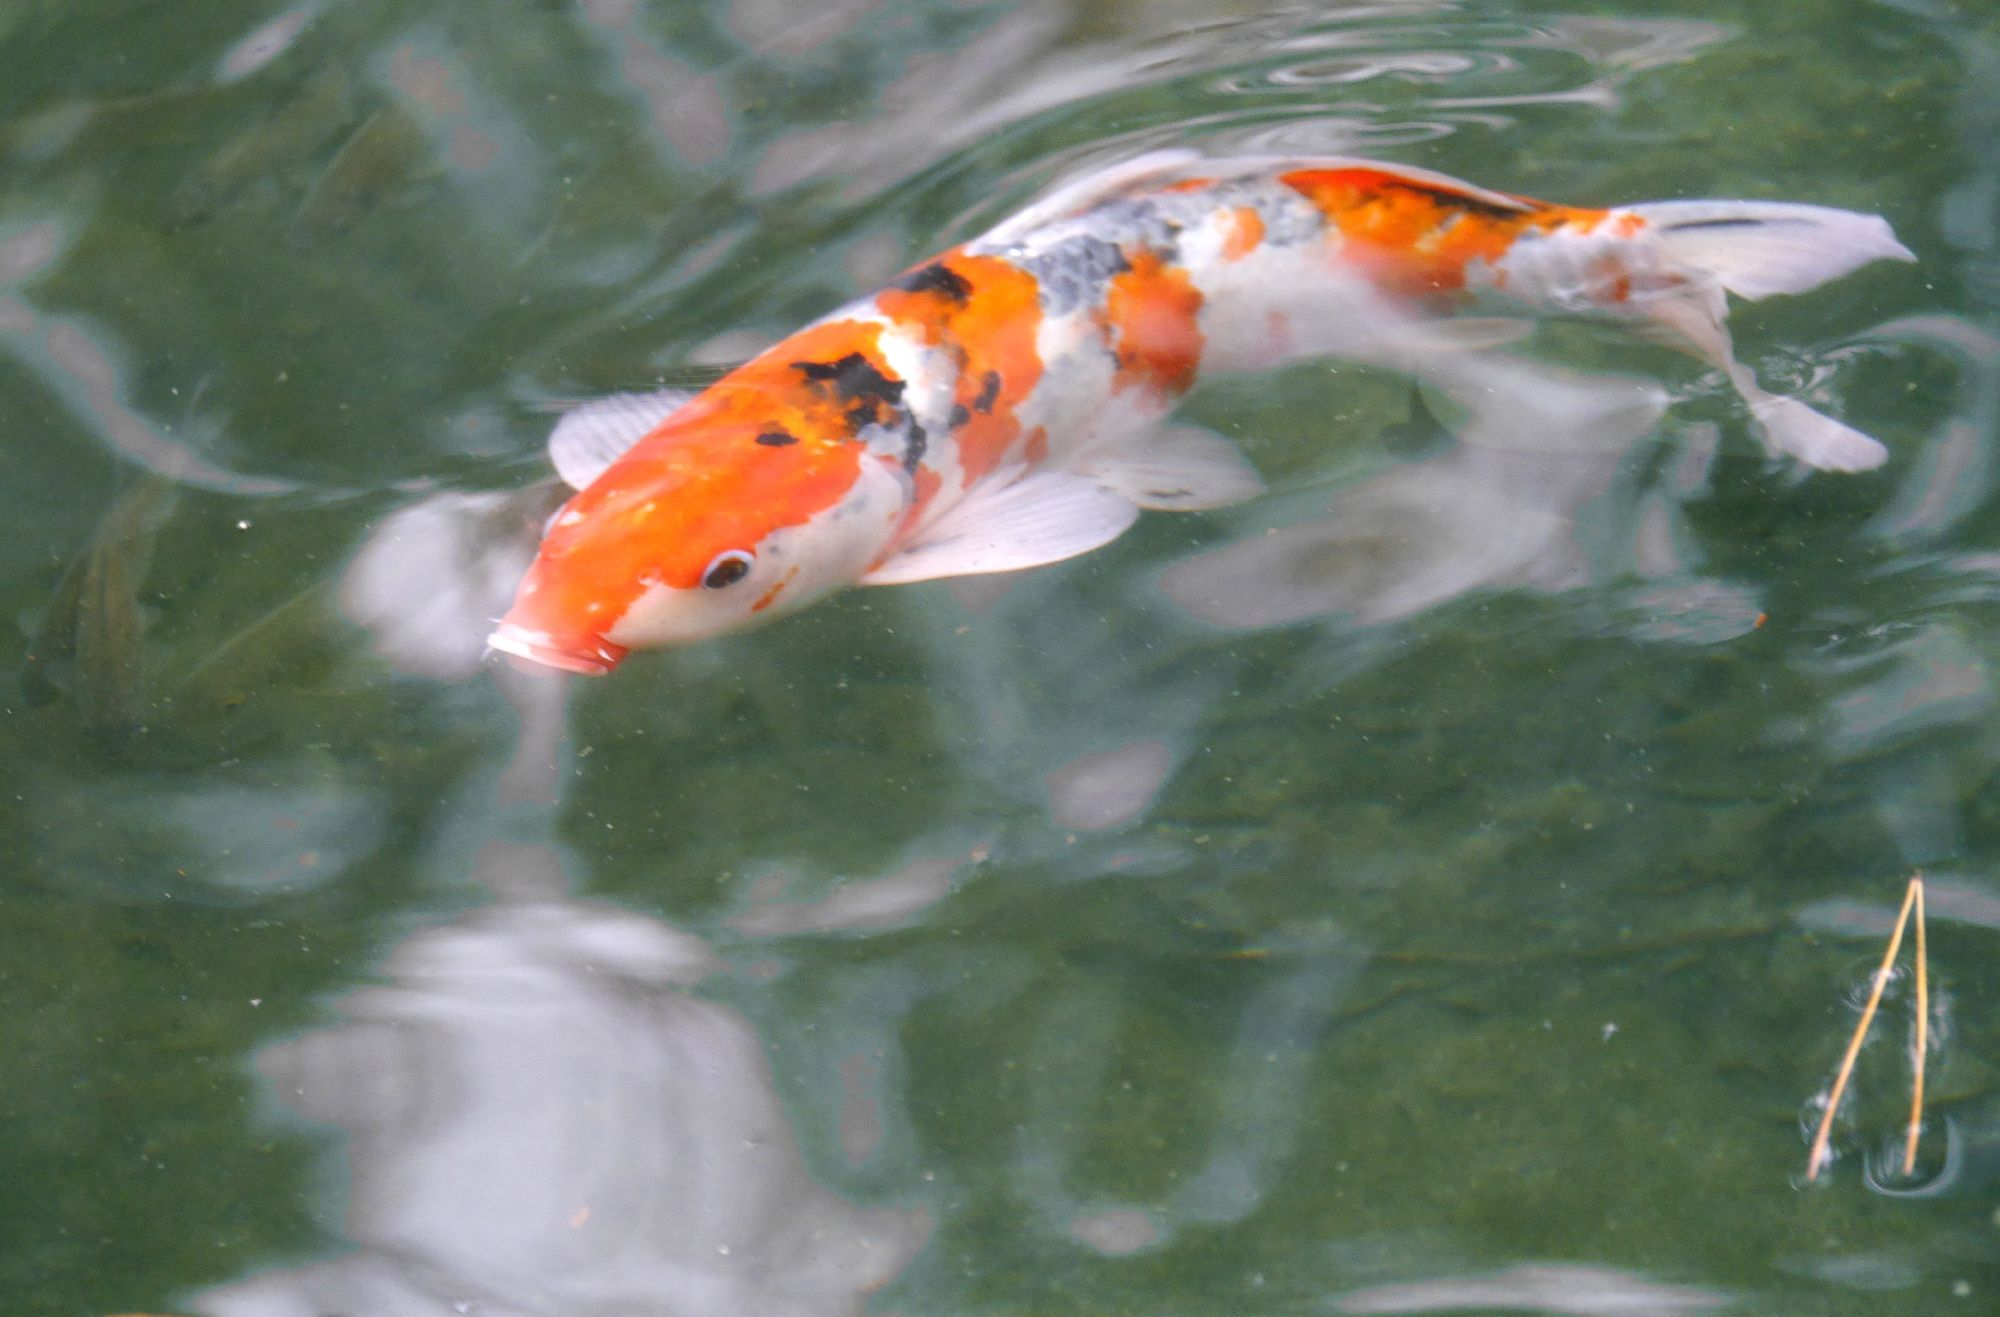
[1517, 924]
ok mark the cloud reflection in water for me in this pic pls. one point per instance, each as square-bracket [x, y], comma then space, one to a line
[1499, 509]
[1582, 1291]
[543, 1118]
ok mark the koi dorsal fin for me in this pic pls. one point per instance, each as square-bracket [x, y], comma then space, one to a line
[1080, 192]
[1441, 186]
[593, 435]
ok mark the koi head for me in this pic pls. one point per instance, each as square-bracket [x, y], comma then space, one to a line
[707, 525]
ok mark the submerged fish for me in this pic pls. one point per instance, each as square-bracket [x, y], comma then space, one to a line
[90, 645]
[994, 408]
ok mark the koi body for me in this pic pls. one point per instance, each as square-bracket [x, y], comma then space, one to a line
[997, 407]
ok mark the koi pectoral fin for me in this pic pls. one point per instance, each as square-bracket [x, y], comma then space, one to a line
[1041, 518]
[593, 435]
[1177, 469]
[1790, 428]
[1756, 249]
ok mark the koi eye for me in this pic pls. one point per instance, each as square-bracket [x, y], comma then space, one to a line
[727, 569]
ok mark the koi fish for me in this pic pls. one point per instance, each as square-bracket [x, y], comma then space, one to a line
[995, 408]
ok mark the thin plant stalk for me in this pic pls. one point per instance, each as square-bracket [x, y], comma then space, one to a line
[1817, 1157]
[1923, 1034]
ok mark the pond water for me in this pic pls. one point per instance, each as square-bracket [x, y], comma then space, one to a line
[1444, 883]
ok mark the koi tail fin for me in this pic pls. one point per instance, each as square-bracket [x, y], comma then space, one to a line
[1758, 248]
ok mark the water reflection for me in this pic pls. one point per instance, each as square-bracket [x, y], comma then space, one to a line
[1052, 918]
[1578, 1291]
[1501, 508]
[81, 369]
[429, 580]
[264, 44]
[861, 903]
[1110, 788]
[1405, 73]
[1953, 475]
[542, 1116]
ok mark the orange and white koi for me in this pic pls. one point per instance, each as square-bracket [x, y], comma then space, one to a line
[995, 407]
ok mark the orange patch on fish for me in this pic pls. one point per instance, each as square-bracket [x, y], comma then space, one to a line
[1152, 308]
[1243, 234]
[984, 313]
[1037, 448]
[1416, 236]
[770, 596]
[926, 298]
[926, 484]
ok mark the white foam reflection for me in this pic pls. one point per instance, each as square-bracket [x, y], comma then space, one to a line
[264, 44]
[1232, 1161]
[83, 372]
[543, 1116]
[856, 905]
[1549, 1288]
[1500, 509]
[277, 829]
[1628, 44]
[1116, 1233]
[1110, 788]
[1027, 63]
[1869, 1272]
[687, 106]
[430, 578]
[1933, 677]
[1948, 898]
[1952, 475]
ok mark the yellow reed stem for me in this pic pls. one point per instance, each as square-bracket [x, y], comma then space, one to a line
[1923, 1033]
[1817, 1157]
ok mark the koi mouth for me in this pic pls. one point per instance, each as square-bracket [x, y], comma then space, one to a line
[593, 658]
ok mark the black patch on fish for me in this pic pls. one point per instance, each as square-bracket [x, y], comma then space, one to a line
[776, 438]
[1151, 223]
[872, 397]
[936, 278]
[854, 378]
[959, 416]
[989, 393]
[919, 444]
[1073, 272]
[1716, 224]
